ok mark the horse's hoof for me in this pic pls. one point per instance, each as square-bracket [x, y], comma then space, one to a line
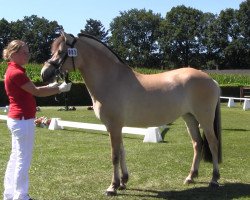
[188, 181]
[213, 184]
[122, 187]
[111, 193]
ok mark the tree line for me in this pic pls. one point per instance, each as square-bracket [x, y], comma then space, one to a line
[184, 37]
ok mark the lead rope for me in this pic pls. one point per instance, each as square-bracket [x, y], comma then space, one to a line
[66, 78]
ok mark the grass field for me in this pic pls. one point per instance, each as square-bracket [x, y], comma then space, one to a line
[74, 164]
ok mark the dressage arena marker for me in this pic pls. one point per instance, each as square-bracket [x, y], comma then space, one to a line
[151, 134]
[231, 103]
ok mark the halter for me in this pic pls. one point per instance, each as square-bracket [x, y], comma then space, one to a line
[71, 52]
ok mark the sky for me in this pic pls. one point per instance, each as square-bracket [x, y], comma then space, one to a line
[72, 14]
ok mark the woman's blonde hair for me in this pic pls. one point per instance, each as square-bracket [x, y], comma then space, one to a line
[13, 46]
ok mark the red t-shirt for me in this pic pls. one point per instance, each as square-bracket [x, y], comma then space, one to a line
[22, 103]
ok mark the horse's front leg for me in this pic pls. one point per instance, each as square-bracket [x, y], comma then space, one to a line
[124, 177]
[116, 141]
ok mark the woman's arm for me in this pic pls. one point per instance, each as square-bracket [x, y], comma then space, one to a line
[41, 91]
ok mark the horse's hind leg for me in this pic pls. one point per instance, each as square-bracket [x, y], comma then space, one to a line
[124, 177]
[213, 146]
[193, 130]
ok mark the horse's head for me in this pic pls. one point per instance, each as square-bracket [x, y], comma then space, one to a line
[62, 60]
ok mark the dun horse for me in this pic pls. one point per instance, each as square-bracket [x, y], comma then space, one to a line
[123, 97]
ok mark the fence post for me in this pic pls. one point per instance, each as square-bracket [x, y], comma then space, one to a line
[153, 134]
[246, 105]
[54, 124]
[230, 103]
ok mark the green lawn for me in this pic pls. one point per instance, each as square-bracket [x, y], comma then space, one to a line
[75, 164]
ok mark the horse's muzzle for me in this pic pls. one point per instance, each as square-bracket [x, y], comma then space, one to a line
[48, 74]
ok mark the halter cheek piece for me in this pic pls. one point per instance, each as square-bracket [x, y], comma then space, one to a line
[71, 52]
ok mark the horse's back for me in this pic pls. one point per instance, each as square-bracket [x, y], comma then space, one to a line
[180, 85]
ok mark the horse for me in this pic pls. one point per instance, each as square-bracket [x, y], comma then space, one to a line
[124, 97]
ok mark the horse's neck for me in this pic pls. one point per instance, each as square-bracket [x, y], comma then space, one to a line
[100, 68]
[101, 81]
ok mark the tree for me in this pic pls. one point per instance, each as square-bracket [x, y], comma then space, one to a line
[243, 17]
[229, 40]
[4, 34]
[181, 36]
[37, 32]
[134, 37]
[95, 28]
[210, 39]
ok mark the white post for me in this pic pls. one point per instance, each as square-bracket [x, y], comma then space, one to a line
[6, 109]
[230, 103]
[246, 104]
[54, 124]
[153, 134]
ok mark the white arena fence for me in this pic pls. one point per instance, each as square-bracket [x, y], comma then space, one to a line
[3, 117]
[231, 102]
[151, 134]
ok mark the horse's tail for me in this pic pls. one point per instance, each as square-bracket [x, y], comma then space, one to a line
[206, 153]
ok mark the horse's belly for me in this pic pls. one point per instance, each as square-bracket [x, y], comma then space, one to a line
[152, 116]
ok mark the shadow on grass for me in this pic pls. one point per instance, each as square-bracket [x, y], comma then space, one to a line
[235, 129]
[227, 192]
[103, 133]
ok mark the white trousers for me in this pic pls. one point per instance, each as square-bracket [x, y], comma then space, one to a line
[16, 180]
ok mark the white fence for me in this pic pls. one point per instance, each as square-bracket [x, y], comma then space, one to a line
[231, 103]
[151, 134]
[3, 117]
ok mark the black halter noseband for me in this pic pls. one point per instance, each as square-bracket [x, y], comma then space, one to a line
[58, 65]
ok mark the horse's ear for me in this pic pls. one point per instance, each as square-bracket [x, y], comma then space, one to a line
[61, 32]
[67, 37]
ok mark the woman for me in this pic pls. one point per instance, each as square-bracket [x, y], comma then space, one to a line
[22, 109]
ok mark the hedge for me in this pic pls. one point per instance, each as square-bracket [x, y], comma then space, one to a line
[79, 96]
